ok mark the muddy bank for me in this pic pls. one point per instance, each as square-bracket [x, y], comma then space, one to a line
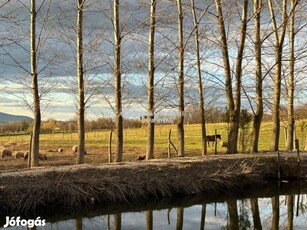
[74, 187]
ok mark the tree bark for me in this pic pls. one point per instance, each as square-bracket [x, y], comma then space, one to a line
[36, 99]
[80, 75]
[200, 84]
[150, 88]
[279, 41]
[259, 102]
[118, 88]
[233, 104]
[180, 124]
[291, 124]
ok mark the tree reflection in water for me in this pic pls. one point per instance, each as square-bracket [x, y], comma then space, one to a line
[277, 212]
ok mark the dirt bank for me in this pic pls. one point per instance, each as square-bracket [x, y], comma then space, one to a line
[76, 186]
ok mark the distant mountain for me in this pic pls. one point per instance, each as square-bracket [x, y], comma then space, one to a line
[4, 118]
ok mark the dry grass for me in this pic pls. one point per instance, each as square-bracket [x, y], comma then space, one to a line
[79, 186]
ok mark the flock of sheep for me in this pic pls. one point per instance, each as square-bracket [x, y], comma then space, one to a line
[8, 153]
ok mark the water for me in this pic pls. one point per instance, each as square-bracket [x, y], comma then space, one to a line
[291, 211]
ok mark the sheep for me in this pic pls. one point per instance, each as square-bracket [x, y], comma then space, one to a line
[41, 156]
[6, 153]
[224, 144]
[75, 149]
[19, 155]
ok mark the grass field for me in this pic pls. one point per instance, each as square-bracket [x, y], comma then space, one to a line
[137, 138]
[135, 141]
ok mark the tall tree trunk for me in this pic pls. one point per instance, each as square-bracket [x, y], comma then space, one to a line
[200, 84]
[37, 111]
[227, 73]
[259, 102]
[118, 88]
[233, 104]
[290, 130]
[180, 125]
[150, 88]
[279, 41]
[80, 75]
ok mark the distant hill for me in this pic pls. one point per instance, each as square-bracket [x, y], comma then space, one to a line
[4, 118]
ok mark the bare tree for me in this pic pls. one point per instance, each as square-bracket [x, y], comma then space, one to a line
[258, 69]
[233, 103]
[80, 73]
[200, 83]
[278, 50]
[150, 87]
[35, 94]
[180, 124]
[290, 130]
[118, 87]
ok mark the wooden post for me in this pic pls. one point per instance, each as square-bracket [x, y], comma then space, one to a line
[298, 158]
[278, 164]
[215, 142]
[110, 148]
[286, 137]
[169, 144]
[29, 154]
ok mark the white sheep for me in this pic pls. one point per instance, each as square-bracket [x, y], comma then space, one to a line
[60, 150]
[75, 149]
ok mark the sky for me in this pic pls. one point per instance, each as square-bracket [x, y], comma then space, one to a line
[57, 66]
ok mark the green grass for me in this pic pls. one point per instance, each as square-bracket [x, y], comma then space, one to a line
[137, 137]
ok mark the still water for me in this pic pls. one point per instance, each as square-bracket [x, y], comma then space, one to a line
[277, 212]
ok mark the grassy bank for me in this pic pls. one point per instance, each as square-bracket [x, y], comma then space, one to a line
[78, 186]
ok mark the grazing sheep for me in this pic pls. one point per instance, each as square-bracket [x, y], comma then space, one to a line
[224, 144]
[25, 157]
[75, 149]
[6, 153]
[60, 150]
[19, 155]
[41, 156]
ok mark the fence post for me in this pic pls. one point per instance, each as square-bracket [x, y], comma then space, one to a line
[110, 147]
[278, 164]
[298, 158]
[215, 142]
[29, 154]
[169, 144]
